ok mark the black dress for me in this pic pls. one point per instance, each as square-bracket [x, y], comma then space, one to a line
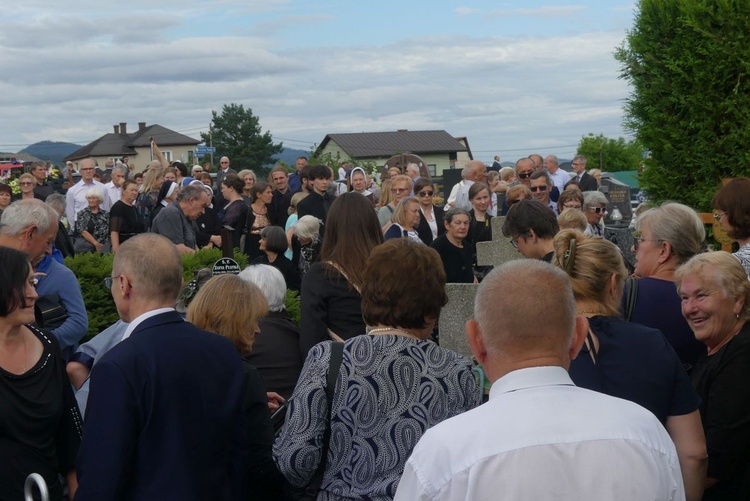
[40, 426]
[457, 261]
[276, 353]
[328, 301]
[721, 382]
[124, 219]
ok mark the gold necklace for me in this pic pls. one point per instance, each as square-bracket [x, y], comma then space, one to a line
[400, 332]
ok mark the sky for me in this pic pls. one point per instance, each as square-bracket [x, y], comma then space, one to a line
[514, 77]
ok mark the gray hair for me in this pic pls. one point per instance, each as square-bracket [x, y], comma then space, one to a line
[96, 192]
[190, 191]
[677, 224]
[270, 281]
[307, 227]
[119, 168]
[579, 158]
[413, 167]
[592, 198]
[553, 158]
[57, 202]
[24, 213]
[453, 212]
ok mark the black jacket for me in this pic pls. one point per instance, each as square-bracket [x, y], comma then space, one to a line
[423, 230]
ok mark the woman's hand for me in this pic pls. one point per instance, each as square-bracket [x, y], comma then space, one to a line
[274, 400]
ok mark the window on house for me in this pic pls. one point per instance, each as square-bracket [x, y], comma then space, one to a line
[432, 169]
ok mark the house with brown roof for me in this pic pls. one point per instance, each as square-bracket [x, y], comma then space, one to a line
[136, 145]
[437, 148]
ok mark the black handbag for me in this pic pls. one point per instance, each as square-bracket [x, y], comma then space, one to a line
[49, 311]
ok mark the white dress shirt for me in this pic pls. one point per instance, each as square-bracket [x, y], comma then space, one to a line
[462, 198]
[541, 437]
[559, 178]
[112, 193]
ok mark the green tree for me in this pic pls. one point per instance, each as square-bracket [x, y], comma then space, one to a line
[236, 133]
[688, 62]
[609, 154]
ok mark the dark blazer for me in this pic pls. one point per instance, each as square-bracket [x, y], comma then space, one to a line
[588, 182]
[165, 417]
[423, 230]
[316, 205]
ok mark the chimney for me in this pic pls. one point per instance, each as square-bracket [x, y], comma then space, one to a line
[123, 128]
[117, 129]
[141, 125]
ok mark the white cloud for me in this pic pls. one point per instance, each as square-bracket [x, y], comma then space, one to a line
[71, 79]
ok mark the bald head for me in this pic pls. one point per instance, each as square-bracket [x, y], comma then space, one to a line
[476, 171]
[526, 324]
[153, 265]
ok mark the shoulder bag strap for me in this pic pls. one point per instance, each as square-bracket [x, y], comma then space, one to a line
[337, 355]
[631, 296]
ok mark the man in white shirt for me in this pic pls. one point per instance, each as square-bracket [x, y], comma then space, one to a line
[476, 172]
[113, 189]
[559, 177]
[75, 198]
[539, 436]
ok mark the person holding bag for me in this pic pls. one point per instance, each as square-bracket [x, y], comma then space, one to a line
[350, 438]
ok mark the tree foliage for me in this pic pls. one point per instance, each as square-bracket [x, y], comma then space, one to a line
[688, 62]
[236, 133]
[609, 154]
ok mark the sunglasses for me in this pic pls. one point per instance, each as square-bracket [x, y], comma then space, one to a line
[425, 193]
[598, 210]
[524, 175]
[538, 188]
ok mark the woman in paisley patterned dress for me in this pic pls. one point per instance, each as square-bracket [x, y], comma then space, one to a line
[393, 384]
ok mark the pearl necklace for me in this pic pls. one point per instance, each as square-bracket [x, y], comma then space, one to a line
[400, 332]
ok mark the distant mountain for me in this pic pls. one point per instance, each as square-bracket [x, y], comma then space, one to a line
[51, 150]
[289, 155]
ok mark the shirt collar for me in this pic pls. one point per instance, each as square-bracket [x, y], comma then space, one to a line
[141, 318]
[531, 377]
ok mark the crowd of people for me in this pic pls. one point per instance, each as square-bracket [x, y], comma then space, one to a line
[209, 390]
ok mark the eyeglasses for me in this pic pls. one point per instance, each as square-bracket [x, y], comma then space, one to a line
[572, 206]
[598, 210]
[425, 193]
[222, 163]
[87, 169]
[108, 281]
[637, 242]
[719, 215]
[539, 188]
[198, 171]
[399, 190]
[514, 241]
[524, 175]
[26, 183]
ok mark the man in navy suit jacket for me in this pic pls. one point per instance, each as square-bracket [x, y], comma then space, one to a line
[165, 410]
